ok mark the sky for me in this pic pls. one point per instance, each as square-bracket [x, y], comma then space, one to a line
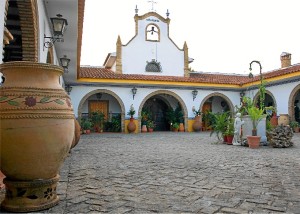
[223, 36]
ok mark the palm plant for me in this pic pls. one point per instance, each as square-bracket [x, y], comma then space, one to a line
[220, 125]
[256, 115]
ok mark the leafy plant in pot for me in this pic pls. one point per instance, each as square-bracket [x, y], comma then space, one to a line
[295, 126]
[97, 118]
[219, 125]
[256, 115]
[86, 125]
[230, 131]
[150, 125]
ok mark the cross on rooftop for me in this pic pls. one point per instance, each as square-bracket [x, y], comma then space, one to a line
[152, 2]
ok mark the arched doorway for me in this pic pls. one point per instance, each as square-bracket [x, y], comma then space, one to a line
[107, 102]
[294, 104]
[269, 99]
[158, 104]
[215, 103]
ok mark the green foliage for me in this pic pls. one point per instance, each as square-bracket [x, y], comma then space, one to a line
[220, 124]
[150, 124]
[174, 116]
[262, 94]
[209, 118]
[114, 125]
[97, 118]
[146, 115]
[131, 111]
[230, 127]
[175, 125]
[86, 124]
[256, 115]
[246, 104]
[294, 124]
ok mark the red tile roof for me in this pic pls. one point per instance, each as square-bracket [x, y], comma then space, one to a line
[232, 79]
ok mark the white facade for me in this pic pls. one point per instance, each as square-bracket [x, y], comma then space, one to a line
[139, 50]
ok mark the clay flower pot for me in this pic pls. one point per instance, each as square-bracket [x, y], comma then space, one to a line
[197, 124]
[131, 125]
[37, 130]
[253, 141]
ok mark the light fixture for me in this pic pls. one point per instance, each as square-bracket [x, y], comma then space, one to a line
[194, 92]
[68, 89]
[134, 90]
[136, 9]
[99, 96]
[59, 26]
[64, 61]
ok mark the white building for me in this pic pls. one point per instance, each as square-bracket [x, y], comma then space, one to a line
[150, 62]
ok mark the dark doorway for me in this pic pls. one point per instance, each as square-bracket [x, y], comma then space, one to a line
[158, 109]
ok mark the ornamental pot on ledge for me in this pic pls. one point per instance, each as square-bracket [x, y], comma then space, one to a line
[37, 130]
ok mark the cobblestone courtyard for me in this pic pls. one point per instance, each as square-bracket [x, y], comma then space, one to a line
[177, 173]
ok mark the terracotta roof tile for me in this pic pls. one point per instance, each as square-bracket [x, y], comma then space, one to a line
[231, 79]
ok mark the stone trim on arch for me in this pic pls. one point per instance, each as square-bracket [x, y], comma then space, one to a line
[292, 99]
[160, 92]
[104, 91]
[28, 12]
[217, 94]
[255, 98]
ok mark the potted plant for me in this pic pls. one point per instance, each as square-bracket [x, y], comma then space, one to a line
[145, 114]
[295, 126]
[86, 125]
[197, 124]
[150, 125]
[131, 125]
[229, 131]
[175, 127]
[97, 118]
[219, 125]
[255, 115]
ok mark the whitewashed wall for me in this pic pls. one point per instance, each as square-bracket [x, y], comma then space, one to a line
[138, 51]
[78, 92]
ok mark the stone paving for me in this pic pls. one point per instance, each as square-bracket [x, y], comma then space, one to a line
[177, 173]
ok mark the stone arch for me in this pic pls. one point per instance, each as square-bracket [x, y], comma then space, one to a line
[159, 92]
[255, 98]
[217, 94]
[104, 91]
[292, 100]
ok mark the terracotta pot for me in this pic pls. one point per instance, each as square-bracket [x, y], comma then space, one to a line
[181, 127]
[229, 139]
[274, 120]
[225, 138]
[144, 128]
[37, 130]
[284, 119]
[197, 124]
[131, 125]
[76, 134]
[150, 129]
[253, 141]
[296, 129]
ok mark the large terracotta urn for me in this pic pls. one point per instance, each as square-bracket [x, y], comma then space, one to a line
[131, 125]
[197, 123]
[283, 119]
[37, 130]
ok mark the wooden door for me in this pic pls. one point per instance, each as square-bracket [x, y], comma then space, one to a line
[206, 108]
[99, 105]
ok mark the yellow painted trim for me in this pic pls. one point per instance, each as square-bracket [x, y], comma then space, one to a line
[295, 74]
[152, 82]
